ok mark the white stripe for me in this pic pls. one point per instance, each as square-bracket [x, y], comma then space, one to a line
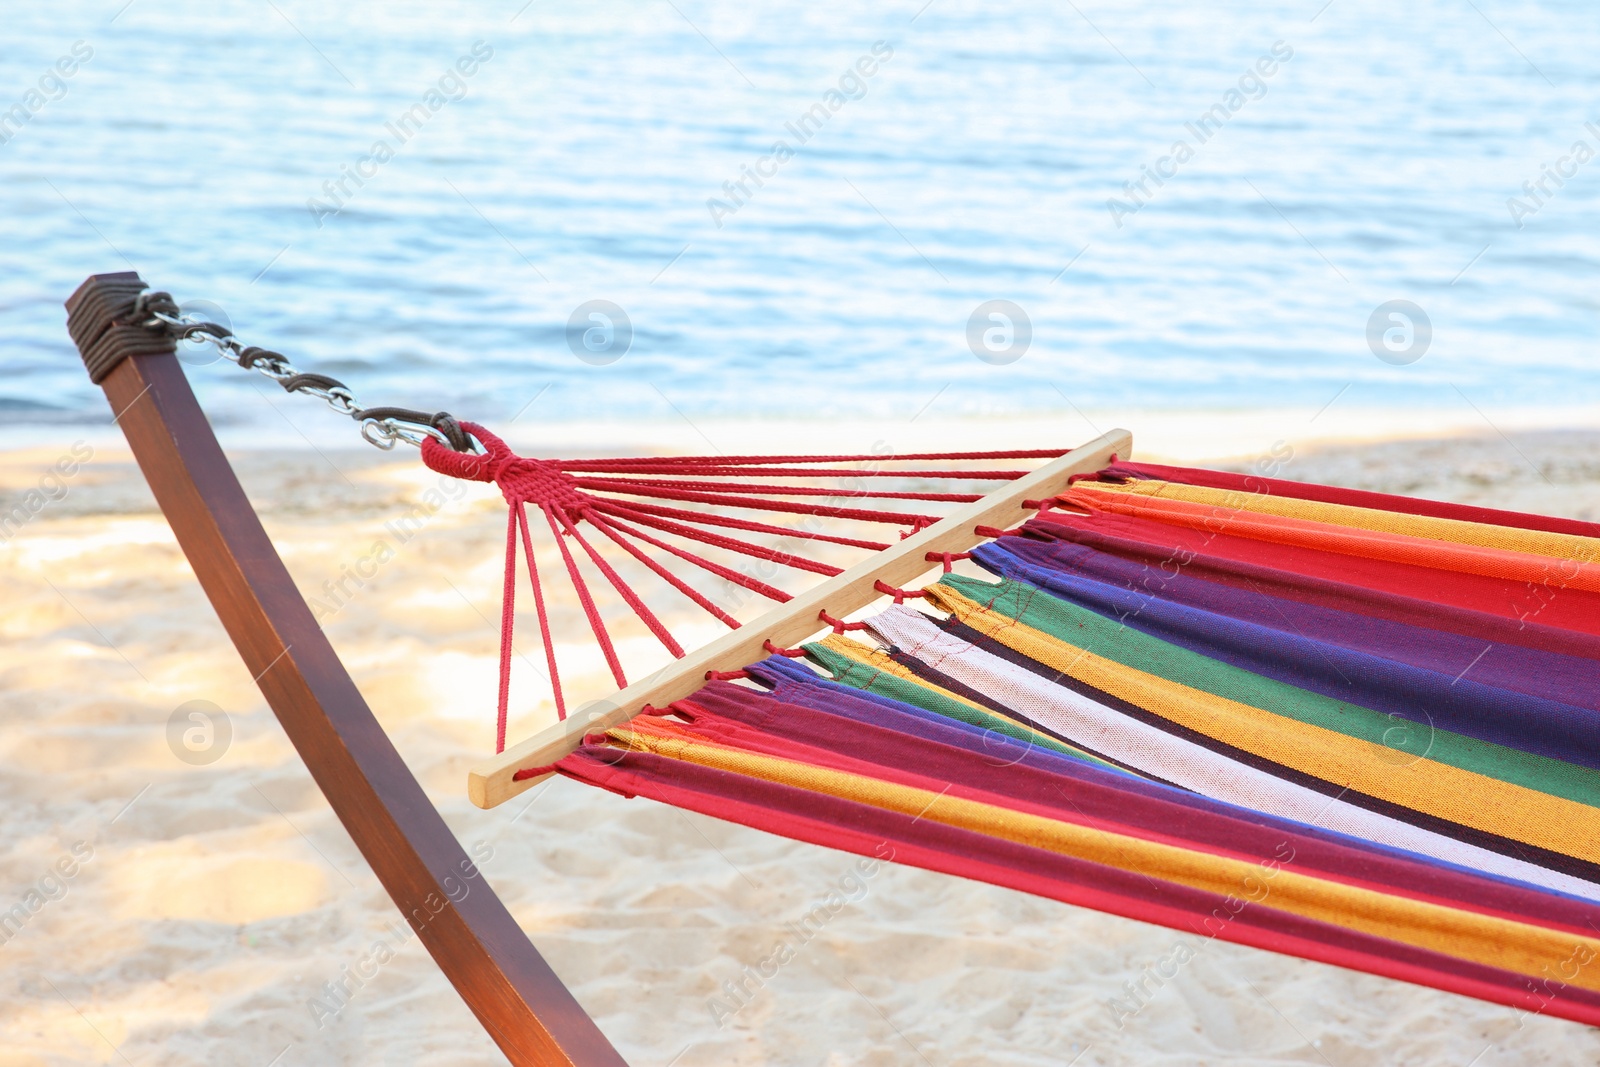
[1182, 762]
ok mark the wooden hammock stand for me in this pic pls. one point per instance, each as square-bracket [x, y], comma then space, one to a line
[485, 955]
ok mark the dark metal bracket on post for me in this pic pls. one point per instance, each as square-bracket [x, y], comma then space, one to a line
[519, 1000]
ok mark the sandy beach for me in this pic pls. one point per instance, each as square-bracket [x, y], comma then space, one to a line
[209, 905]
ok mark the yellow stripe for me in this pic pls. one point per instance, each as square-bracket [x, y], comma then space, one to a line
[1507, 944]
[1483, 535]
[879, 660]
[1425, 785]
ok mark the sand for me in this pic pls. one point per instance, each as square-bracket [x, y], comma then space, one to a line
[209, 903]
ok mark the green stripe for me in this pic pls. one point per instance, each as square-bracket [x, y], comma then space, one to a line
[859, 675]
[1081, 628]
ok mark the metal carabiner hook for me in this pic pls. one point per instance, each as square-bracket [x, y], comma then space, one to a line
[373, 426]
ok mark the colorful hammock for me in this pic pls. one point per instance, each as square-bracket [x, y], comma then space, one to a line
[1352, 727]
[1356, 728]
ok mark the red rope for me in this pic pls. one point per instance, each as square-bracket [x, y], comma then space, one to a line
[508, 603]
[752, 584]
[592, 613]
[715, 470]
[709, 519]
[657, 462]
[507, 621]
[900, 595]
[788, 506]
[839, 625]
[679, 489]
[677, 583]
[566, 492]
[625, 590]
[535, 772]
[732, 544]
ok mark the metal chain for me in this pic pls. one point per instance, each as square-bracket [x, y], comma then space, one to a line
[380, 426]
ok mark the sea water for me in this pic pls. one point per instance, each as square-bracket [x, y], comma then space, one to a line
[680, 208]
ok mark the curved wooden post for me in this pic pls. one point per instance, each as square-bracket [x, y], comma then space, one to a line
[524, 1006]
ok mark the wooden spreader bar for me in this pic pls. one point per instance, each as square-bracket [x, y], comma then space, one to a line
[492, 782]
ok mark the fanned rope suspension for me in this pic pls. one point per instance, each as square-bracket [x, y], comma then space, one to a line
[629, 501]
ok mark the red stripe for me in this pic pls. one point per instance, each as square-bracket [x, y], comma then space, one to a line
[1330, 494]
[751, 721]
[1343, 596]
[868, 831]
[1521, 602]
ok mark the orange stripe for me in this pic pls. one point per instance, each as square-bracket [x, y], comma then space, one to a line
[1368, 544]
[1431, 527]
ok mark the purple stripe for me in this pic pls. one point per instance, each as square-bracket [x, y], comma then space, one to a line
[1523, 632]
[1437, 694]
[1536, 672]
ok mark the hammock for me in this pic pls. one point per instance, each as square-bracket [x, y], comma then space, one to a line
[1235, 750]
[1347, 726]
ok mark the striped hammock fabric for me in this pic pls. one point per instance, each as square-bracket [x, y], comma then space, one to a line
[1352, 727]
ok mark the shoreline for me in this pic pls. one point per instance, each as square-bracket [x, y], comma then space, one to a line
[1187, 436]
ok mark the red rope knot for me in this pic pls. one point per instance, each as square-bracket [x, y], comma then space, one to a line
[792, 653]
[918, 524]
[541, 481]
[839, 625]
[521, 480]
[946, 558]
[900, 595]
